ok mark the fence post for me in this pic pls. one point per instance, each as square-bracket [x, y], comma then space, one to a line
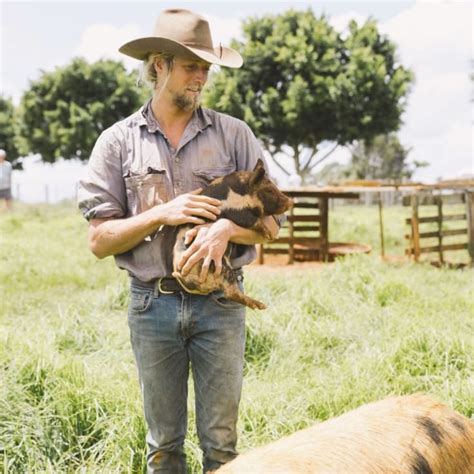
[415, 230]
[291, 234]
[439, 203]
[382, 243]
[324, 227]
[470, 223]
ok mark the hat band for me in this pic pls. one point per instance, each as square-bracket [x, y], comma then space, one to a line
[197, 45]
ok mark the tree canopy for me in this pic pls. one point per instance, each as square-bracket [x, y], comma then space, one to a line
[303, 83]
[64, 111]
[7, 130]
[383, 157]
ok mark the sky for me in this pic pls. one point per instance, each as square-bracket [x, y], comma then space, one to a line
[434, 38]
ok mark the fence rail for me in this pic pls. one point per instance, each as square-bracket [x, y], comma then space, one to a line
[440, 208]
[44, 193]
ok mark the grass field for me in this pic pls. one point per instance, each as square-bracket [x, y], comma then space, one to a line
[332, 339]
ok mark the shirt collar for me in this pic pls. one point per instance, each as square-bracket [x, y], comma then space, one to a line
[146, 118]
[203, 119]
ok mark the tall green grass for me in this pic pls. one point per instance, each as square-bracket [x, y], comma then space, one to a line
[332, 339]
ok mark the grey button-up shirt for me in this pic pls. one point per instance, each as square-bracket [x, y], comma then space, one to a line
[133, 167]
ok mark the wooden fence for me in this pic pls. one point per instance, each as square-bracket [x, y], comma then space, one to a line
[305, 234]
[430, 233]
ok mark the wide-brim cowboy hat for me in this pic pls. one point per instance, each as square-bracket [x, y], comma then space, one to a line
[182, 32]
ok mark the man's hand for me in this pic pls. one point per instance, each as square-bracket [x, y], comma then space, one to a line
[210, 243]
[189, 208]
[115, 236]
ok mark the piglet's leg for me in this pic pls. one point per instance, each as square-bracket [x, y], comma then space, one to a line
[261, 229]
[232, 292]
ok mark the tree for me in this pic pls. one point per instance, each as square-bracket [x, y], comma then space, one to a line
[7, 131]
[304, 85]
[330, 174]
[384, 157]
[64, 111]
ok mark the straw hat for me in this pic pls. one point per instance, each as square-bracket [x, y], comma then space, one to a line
[181, 32]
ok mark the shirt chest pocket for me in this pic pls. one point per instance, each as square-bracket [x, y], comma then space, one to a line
[145, 190]
[203, 176]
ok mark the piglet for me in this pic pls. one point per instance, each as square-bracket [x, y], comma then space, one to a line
[247, 197]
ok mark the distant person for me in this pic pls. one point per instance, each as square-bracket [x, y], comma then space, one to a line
[143, 180]
[5, 181]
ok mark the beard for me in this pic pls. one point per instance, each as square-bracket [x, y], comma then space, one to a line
[186, 103]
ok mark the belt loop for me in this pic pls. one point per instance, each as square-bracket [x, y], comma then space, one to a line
[156, 291]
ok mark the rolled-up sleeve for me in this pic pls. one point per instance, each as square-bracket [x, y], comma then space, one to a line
[102, 193]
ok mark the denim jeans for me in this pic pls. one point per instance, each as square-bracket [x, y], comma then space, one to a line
[171, 334]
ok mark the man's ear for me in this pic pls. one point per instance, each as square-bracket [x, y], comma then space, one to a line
[159, 65]
[258, 174]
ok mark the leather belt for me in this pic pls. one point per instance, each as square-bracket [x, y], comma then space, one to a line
[169, 285]
[165, 285]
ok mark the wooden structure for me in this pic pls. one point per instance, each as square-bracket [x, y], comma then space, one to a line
[429, 233]
[305, 234]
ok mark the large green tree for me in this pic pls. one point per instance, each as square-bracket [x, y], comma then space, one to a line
[63, 111]
[7, 131]
[304, 85]
[383, 157]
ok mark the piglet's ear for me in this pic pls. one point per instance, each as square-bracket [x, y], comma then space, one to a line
[259, 165]
[258, 174]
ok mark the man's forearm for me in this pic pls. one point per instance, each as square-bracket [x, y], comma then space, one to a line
[241, 235]
[116, 236]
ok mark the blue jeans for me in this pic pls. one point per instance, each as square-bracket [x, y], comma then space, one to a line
[171, 334]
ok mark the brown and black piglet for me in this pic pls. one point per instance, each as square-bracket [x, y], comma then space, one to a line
[247, 197]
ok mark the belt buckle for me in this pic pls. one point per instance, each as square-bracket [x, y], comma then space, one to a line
[163, 292]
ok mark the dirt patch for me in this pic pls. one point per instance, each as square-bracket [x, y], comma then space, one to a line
[273, 262]
[340, 249]
[336, 249]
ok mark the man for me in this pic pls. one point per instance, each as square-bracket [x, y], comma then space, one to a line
[5, 180]
[145, 175]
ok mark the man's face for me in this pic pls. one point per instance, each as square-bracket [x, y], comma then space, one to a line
[186, 81]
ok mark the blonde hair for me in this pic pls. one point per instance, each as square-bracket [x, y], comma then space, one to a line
[148, 74]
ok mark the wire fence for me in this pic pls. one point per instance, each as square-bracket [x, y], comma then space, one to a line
[49, 193]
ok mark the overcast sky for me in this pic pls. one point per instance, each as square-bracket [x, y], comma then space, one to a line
[434, 38]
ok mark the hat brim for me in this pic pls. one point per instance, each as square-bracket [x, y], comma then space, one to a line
[142, 47]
